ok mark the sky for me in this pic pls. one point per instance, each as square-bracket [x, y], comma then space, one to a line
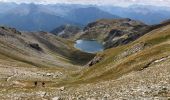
[98, 2]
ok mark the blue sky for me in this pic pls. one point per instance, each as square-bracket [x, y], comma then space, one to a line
[99, 2]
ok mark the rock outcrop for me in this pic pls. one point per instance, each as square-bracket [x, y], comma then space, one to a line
[95, 60]
[35, 46]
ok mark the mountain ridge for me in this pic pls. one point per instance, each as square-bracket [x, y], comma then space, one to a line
[36, 17]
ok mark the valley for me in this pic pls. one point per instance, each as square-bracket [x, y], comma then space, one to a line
[44, 66]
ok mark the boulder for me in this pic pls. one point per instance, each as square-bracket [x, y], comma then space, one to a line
[56, 98]
[62, 88]
[35, 46]
[95, 60]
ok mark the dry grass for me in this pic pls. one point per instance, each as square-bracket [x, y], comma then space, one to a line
[121, 65]
[157, 44]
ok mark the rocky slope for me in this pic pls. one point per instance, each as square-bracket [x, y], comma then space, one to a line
[29, 59]
[138, 70]
[115, 32]
[66, 31]
[41, 66]
[40, 45]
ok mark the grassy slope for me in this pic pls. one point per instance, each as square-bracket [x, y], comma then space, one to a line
[56, 52]
[21, 63]
[114, 65]
[126, 62]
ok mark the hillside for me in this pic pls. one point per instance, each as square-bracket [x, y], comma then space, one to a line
[114, 32]
[66, 31]
[42, 66]
[40, 45]
[139, 70]
[31, 57]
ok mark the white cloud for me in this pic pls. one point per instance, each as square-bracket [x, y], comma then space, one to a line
[100, 2]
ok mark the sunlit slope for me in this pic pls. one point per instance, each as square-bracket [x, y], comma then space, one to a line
[152, 48]
[39, 49]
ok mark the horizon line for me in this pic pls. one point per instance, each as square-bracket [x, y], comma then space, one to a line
[66, 3]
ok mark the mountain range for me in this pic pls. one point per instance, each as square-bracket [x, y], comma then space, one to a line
[40, 17]
[146, 13]
[34, 17]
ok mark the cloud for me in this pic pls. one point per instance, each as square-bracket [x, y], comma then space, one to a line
[98, 2]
